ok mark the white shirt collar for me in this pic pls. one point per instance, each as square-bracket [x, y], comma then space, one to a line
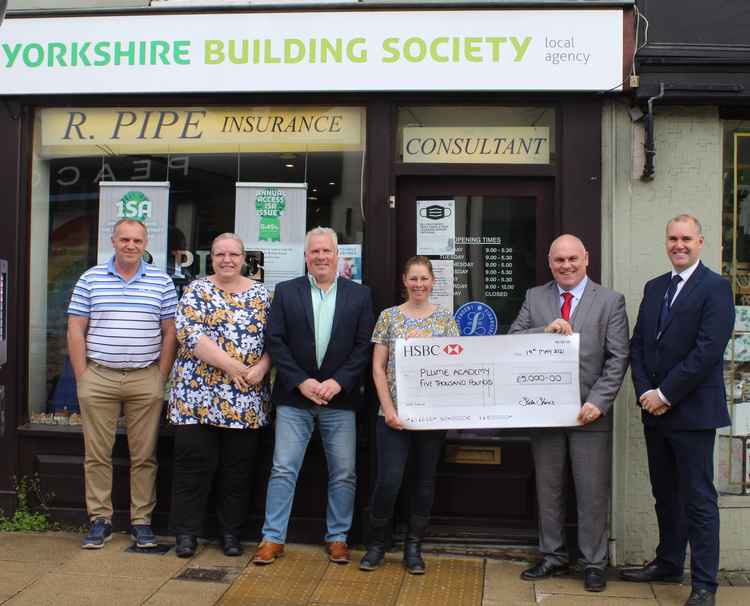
[686, 273]
[577, 290]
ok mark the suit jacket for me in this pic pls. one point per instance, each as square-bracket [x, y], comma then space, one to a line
[602, 323]
[291, 342]
[686, 363]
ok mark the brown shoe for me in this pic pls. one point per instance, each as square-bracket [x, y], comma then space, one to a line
[267, 553]
[337, 552]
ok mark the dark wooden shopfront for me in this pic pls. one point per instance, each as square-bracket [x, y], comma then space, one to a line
[474, 501]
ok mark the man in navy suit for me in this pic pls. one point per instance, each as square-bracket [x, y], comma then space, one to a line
[676, 356]
[319, 331]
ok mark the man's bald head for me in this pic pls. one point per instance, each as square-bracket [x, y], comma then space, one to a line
[568, 261]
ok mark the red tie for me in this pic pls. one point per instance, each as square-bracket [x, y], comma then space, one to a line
[565, 310]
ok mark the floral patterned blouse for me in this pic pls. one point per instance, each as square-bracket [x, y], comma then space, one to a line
[236, 322]
[394, 324]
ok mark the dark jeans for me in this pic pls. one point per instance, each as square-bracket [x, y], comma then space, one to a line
[202, 452]
[681, 465]
[393, 450]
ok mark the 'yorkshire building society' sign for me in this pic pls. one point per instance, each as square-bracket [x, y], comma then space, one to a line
[279, 51]
[463, 145]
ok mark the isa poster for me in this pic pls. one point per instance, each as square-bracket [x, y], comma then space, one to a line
[144, 201]
[271, 217]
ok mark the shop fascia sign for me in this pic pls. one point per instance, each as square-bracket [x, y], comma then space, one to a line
[492, 145]
[84, 131]
[487, 50]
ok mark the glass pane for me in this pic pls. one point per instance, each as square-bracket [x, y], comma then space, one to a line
[734, 440]
[495, 253]
[495, 262]
[202, 190]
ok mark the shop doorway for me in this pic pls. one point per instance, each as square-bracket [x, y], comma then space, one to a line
[503, 226]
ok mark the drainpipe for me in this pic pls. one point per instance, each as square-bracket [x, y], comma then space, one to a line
[650, 143]
[614, 505]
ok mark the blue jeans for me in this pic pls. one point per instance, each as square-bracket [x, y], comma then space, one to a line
[294, 426]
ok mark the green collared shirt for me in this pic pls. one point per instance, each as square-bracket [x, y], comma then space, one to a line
[324, 306]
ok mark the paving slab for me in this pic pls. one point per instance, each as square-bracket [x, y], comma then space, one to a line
[114, 561]
[503, 585]
[16, 576]
[192, 593]
[39, 547]
[211, 554]
[286, 568]
[448, 582]
[574, 586]
[591, 600]
[671, 594]
[292, 580]
[675, 595]
[78, 590]
[355, 594]
[391, 571]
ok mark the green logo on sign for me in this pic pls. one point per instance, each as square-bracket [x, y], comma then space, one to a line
[134, 205]
[270, 204]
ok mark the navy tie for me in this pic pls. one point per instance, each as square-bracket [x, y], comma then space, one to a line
[666, 304]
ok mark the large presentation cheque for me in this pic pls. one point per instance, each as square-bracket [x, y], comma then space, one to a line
[502, 381]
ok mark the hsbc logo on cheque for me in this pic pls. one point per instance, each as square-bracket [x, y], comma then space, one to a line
[430, 351]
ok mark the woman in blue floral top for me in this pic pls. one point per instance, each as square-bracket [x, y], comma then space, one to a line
[219, 396]
[417, 317]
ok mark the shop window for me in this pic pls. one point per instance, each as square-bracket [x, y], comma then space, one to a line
[202, 164]
[734, 441]
[476, 135]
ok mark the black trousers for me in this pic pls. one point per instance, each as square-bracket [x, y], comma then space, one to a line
[681, 465]
[203, 453]
[394, 448]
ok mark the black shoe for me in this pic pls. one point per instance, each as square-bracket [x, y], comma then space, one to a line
[594, 579]
[232, 545]
[376, 545]
[653, 571]
[413, 544]
[701, 597]
[185, 545]
[542, 569]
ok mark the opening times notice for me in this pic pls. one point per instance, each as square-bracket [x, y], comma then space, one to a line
[498, 271]
[496, 260]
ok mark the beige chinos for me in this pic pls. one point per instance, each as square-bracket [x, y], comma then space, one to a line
[101, 393]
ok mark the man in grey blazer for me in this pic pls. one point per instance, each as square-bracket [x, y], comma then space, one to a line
[574, 303]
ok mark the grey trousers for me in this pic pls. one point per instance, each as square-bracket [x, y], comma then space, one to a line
[589, 455]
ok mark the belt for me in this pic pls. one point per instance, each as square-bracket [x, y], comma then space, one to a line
[121, 369]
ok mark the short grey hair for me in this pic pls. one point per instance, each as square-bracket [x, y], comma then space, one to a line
[135, 221]
[228, 235]
[321, 231]
[685, 217]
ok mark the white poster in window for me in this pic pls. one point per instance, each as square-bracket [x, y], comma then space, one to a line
[271, 217]
[442, 290]
[350, 262]
[436, 227]
[144, 201]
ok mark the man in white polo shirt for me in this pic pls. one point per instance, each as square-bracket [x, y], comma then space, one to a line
[121, 342]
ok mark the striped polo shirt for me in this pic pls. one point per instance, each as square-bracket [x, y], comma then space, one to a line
[124, 329]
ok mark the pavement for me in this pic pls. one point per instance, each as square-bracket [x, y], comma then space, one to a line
[40, 569]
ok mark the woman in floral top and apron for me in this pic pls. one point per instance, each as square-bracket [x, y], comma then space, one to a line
[417, 317]
[219, 397]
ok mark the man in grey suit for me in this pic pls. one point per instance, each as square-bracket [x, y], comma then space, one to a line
[574, 303]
